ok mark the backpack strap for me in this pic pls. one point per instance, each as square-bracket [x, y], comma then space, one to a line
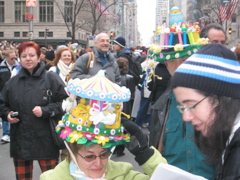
[91, 59]
[57, 70]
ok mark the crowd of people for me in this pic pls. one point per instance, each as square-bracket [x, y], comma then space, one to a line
[189, 103]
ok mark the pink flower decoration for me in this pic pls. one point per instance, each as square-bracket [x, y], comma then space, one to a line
[65, 132]
[88, 136]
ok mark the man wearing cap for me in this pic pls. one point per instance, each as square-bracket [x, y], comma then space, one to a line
[86, 66]
[121, 51]
[50, 55]
[173, 138]
[6, 67]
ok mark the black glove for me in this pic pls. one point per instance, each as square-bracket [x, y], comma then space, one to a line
[138, 144]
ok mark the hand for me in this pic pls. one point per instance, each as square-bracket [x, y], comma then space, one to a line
[12, 120]
[139, 140]
[37, 111]
[138, 144]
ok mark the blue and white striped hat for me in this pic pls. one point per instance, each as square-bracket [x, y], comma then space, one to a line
[213, 69]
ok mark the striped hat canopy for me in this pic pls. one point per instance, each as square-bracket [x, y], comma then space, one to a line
[212, 69]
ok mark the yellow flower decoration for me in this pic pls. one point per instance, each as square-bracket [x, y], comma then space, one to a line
[157, 49]
[202, 41]
[151, 48]
[75, 135]
[102, 139]
[178, 47]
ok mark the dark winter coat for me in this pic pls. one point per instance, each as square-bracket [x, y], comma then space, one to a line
[31, 137]
[230, 170]
[158, 86]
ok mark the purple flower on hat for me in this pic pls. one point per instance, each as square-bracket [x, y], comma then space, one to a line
[79, 127]
[68, 123]
[90, 93]
[80, 120]
[114, 96]
[113, 131]
[102, 95]
[111, 137]
[78, 89]
[96, 131]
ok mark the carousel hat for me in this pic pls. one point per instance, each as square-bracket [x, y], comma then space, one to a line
[96, 122]
[213, 69]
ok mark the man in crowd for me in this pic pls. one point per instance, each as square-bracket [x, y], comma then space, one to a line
[121, 51]
[6, 67]
[215, 33]
[87, 66]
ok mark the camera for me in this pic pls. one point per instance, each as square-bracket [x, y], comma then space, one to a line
[14, 115]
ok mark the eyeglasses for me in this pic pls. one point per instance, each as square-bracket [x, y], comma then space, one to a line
[189, 109]
[91, 158]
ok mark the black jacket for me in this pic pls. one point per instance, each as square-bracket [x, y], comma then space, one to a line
[230, 170]
[31, 137]
[158, 86]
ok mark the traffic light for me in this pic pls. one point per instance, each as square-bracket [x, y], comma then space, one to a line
[111, 34]
[230, 30]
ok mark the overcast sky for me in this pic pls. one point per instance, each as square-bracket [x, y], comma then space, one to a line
[146, 19]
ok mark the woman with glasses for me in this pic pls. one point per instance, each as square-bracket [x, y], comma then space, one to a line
[86, 162]
[90, 130]
[207, 87]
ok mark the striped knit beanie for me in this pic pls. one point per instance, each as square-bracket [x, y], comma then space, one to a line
[213, 69]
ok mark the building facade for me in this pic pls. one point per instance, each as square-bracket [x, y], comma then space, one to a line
[52, 21]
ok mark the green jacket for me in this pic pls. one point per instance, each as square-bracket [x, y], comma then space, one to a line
[115, 170]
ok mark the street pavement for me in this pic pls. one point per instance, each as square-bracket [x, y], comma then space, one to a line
[7, 171]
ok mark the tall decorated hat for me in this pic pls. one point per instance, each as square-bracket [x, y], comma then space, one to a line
[96, 119]
[178, 40]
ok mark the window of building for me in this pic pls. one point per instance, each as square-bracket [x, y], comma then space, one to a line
[1, 11]
[46, 11]
[50, 34]
[24, 34]
[1, 34]
[16, 34]
[234, 18]
[20, 11]
[41, 34]
[68, 34]
[68, 11]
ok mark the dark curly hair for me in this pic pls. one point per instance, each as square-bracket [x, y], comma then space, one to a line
[123, 65]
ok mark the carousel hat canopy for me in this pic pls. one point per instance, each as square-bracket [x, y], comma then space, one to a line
[99, 121]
